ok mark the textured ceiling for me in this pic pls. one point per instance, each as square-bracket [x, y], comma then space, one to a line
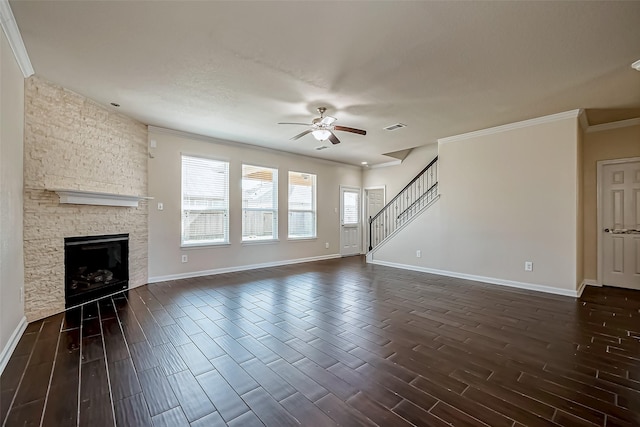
[232, 70]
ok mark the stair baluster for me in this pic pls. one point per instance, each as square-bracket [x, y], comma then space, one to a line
[414, 196]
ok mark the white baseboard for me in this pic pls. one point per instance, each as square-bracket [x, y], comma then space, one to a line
[492, 280]
[590, 282]
[585, 283]
[8, 349]
[580, 289]
[239, 268]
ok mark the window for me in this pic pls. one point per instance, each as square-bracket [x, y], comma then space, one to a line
[259, 203]
[302, 205]
[350, 207]
[205, 201]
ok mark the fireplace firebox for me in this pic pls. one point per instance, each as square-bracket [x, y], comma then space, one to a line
[95, 266]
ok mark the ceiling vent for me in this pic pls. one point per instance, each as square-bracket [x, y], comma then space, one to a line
[322, 147]
[396, 126]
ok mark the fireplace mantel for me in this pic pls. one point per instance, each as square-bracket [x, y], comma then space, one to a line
[79, 197]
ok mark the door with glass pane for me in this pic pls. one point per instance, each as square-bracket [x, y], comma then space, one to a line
[349, 221]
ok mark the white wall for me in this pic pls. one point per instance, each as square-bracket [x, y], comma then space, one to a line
[164, 226]
[11, 199]
[506, 198]
[395, 178]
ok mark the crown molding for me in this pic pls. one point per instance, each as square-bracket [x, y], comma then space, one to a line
[8, 23]
[512, 126]
[583, 120]
[198, 137]
[614, 125]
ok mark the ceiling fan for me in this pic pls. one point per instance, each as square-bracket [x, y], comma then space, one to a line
[322, 128]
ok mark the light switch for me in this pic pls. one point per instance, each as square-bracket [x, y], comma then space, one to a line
[160, 206]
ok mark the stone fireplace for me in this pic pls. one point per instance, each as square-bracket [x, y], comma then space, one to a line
[73, 143]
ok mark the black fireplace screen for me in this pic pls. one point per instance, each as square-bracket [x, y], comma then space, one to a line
[95, 266]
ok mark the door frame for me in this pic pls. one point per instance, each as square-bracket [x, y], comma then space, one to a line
[360, 225]
[599, 197]
[365, 214]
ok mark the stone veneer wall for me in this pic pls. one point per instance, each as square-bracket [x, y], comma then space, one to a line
[71, 142]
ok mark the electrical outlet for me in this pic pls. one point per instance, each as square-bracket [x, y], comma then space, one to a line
[185, 258]
[326, 245]
[528, 266]
[418, 253]
[160, 206]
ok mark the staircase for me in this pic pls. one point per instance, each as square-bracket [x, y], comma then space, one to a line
[419, 193]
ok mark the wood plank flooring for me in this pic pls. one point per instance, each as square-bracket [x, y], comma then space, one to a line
[328, 343]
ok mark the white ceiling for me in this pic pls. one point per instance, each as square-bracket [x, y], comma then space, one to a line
[232, 70]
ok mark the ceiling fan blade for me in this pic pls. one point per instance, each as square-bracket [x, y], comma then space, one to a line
[352, 130]
[289, 123]
[328, 120]
[300, 135]
[334, 139]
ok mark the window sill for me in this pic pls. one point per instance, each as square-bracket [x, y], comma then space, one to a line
[204, 245]
[259, 242]
[301, 239]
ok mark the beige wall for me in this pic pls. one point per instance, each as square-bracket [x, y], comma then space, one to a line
[72, 142]
[580, 207]
[506, 198]
[11, 135]
[164, 226]
[603, 145]
[395, 178]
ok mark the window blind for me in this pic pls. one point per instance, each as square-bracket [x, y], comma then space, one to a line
[350, 207]
[259, 203]
[205, 201]
[302, 205]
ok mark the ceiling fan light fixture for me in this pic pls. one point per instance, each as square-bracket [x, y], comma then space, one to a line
[321, 134]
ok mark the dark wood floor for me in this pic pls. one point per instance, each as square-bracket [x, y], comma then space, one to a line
[326, 343]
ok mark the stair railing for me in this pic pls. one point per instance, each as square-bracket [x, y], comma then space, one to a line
[417, 194]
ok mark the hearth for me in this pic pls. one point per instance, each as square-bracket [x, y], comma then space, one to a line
[95, 266]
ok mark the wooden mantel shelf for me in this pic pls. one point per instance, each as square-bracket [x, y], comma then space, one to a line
[79, 197]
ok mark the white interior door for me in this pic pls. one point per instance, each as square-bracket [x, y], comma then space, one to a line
[349, 221]
[620, 186]
[375, 199]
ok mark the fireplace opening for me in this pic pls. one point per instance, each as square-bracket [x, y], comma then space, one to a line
[95, 266]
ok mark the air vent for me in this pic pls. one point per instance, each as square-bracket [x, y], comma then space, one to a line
[396, 126]
[322, 147]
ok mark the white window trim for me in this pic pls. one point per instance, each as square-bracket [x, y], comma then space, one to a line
[314, 210]
[227, 231]
[275, 212]
[203, 245]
